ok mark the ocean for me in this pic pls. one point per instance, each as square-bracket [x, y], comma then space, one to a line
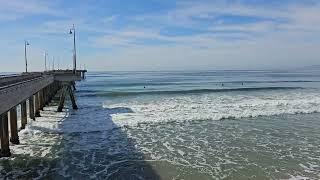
[237, 124]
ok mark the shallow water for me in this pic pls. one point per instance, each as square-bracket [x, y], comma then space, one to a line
[174, 125]
[258, 148]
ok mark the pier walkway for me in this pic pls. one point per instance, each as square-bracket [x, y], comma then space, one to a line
[36, 88]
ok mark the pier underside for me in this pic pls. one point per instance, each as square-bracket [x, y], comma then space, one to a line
[31, 92]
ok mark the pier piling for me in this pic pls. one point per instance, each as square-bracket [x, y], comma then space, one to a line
[73, 100]
[38, 88]
[36, 105]
[50, 93]
[23, 114]
[13, 126]
[40, 94]
[31, 108]
[62, 98]
[46, 96]
[67, 88]
[5, 151]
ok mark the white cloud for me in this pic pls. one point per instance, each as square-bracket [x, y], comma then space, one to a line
[274, 51]
[288, 18]
[16, 9]
[110, 19]
[281, 37]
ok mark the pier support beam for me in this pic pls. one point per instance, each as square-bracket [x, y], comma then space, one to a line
[23, 114]
[41, 102]
[36, 106]
[73, 100]
[46, 95]
[62, 99]
[66, 89]
[31, 108]
[50, 93]
[73, 84]
[13, 126]
[5, 150]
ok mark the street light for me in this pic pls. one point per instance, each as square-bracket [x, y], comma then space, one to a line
[58, 62]
[73, 31]
[45, 60]
[26, 43]
[53, 63]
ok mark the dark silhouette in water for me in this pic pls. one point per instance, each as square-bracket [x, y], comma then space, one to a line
[84, 153]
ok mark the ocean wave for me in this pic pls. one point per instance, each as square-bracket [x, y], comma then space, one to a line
[192, 82]
[215, 107]
[192, 91]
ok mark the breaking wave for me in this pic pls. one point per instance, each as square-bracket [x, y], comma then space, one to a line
[192, 91]
[215, 106]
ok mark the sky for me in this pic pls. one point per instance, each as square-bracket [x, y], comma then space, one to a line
[154, 35]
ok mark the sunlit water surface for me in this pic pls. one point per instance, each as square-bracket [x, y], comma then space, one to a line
[177, 125]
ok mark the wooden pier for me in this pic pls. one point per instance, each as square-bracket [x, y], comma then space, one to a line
[36, 88]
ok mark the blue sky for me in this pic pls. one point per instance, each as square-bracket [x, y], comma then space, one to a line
[161, 34]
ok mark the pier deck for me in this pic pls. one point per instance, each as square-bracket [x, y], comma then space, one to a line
[36, 88]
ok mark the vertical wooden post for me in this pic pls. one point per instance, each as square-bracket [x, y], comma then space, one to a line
[66, 88]
[36, 105]
[23, 114]
[40, 94]
[50, 93]
[43, 98]
[57, 87]
[5, 150]
[73, 84]
[62, 98]
[46, 95]
[73, 100]
[31, 108]
[13, 126]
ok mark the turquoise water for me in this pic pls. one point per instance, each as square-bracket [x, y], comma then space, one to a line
[178, 125]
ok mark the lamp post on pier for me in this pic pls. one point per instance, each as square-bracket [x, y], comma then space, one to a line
[45, 60]
[52, 63]
[73, 31]
[26, 43]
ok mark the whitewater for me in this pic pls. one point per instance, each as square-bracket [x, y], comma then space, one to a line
[216, 106]
[177, 125]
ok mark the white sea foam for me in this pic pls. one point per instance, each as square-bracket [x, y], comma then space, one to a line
[214, 107]
[298, 178]
[184, 150]
[35, 139]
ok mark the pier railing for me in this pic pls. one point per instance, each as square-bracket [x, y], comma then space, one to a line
[37, 89]
[12, 94]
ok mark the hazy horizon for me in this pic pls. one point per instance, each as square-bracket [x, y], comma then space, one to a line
[141, 35]
[311, 67]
